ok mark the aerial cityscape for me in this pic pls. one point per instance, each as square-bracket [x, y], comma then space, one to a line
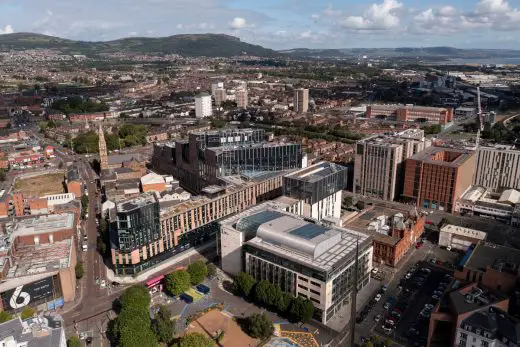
[270, 174]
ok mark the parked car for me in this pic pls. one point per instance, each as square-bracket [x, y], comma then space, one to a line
[408, 275]
[377, 297]
[203, 289]
[419, 245]
[428, 307]
[384, 288]
[387, 305]
[377, 318]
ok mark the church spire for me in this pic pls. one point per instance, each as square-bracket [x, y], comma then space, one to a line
[103, 155]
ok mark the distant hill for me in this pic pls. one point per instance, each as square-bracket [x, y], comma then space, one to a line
[405, 52]
[193, 45]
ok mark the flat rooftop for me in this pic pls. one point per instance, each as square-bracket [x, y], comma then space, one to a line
[316, 172]
[228, 148]
[134, 203]
[468, 232]
[451, 157]
[498, 257]
[296, 238]
[41, 224]
[32, 260]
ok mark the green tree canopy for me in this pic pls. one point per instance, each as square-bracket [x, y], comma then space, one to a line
[80, 270]
[177, 282]
[162, 325]
[27, 312]
[284, 302]
[243, 284]
[198, 272]
[301, 310]
[212, 270]
[73, 341]
[4, 317]
[196, 340]
[86, 143]
[136, 296]
[259, 326]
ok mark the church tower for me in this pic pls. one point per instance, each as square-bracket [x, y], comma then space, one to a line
[103, 154]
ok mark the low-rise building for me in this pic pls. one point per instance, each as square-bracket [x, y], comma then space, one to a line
[411, 113]
[40, 331]
[304, 258]
[460, 238]
[153, 182]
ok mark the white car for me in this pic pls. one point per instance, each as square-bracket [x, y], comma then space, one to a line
[448, 248]
[377, 297]
[408, 275]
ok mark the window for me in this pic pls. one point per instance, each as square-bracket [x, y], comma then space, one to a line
[463, 336]
[484, 343]
[314, 292]
[302, 287]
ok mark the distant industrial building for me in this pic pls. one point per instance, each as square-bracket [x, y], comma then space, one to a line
[302, 257]
[411, 113]
[437, 177]
[379, 162]
[203, 105]
[316, 191]
[460, 238]
[301, 100]
[498, 168]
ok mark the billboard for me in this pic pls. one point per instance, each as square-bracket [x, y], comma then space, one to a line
[31, 294]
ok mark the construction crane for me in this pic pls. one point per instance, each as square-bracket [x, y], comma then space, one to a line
[479, 114]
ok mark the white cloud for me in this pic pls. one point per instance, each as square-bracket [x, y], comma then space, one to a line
[8, 29]
[447, 11]
[132, 33]
[238, 23]
[493, 6]
[378, 17]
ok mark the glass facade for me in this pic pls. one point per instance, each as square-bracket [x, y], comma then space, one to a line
[138, 227]
[235, 160]
[226, 137]
[315, 187]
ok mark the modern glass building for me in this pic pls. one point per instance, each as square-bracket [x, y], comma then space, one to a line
[303, 258]
[317, 189]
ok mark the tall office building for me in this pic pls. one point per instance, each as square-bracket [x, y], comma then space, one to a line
[498, 168]
[315, 191]
[203, 105]
[207, 156]
[437, 177]
[135, 234]
[241, 98]
[301, 100]
[220, 96]
[303, 258]
[103, 153]
[379, 162]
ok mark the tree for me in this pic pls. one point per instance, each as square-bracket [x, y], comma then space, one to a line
[284, 302]
[198, 272]
[73, 341]
[178, 282]
[348, 201]
[80, 270]
[301, 310]
[212, 270]
[387, 342]
[136, 296]
[243, 284]
[4, 317]
[162, 325]
[259, 326]
[27, 312]
[196, 340]
[2, 175]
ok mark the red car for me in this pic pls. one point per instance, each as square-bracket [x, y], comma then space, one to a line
[429, 222]
[418, 245]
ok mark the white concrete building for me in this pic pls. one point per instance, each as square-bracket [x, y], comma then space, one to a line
[59, 199]
[304, 259]
[315, 191]
[220, 96]
[488, 327]
[459, 237]
[203, 106]
[498, 167]
[215, 84]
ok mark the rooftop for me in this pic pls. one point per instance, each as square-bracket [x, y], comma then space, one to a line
[121, 158]
[228, 148]
[40, 224]
[498, 257]
[468, 232]
[499, 323]
[472, 297]
[293, 237]
[152, 178]
[135, 203]
[452, 157]
[35, 332]
[316, 172]
[32, 260]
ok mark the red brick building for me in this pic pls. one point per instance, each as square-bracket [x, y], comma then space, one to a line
[437, 177]
[412, 113]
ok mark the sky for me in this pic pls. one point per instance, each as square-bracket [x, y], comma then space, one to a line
[278, 24]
